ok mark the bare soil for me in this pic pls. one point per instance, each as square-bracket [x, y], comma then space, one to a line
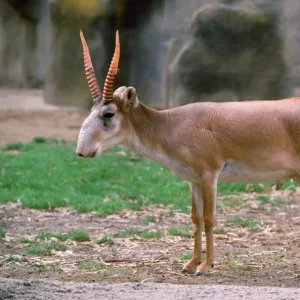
[41, 290]
[267, 258]
[270, 257]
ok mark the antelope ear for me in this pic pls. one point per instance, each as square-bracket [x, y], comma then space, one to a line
[129, 97]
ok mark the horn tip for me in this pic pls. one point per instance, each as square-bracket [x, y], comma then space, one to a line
[117, 39]
[81, 34]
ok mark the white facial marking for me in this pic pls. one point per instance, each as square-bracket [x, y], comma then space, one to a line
[112, 137]
[94, 137]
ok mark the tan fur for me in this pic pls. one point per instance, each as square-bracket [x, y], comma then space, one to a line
[255, 141]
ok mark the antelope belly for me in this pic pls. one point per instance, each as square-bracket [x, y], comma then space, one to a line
[239, 172]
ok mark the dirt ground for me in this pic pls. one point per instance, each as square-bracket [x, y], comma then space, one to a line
[267, 258]
[270, 257]
[41, 290]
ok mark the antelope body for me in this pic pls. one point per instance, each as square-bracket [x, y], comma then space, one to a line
[255, 142]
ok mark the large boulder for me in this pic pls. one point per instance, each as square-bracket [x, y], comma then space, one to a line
[20, 22]
[229, 54]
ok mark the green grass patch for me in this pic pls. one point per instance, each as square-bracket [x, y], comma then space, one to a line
[185, 256]
[238, 263]
[183, 231]
[234, 188]
[45, 249]
[268, 200]
[91, 265]
[80, 236]
[146, 234]
[47, 235]
[116, 180]
[219, 230]
[24, 240]
[106, 240]
[48, 140]
[149, 219]
[252, 223]
[75, 235]
[2, 233]
[14, 258]
[13, 147]
[47, 174]
[98, 267]
[151, 234]
[44, 268]
[128, 232]
[38, 249]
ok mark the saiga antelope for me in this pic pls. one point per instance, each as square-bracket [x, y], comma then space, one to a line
[255, 142]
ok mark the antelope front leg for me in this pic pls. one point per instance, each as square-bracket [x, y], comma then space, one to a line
[209, 191]
[197, 208]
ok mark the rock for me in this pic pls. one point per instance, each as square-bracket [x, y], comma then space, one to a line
[19, 44]
[229, 54]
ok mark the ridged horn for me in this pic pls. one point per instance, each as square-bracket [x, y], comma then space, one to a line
[112, 72]
[89, 71]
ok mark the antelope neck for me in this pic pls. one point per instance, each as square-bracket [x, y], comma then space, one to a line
[148, 132]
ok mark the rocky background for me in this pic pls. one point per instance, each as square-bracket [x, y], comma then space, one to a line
[173, 51]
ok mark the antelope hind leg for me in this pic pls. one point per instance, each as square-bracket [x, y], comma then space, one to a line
[197, 208]
[209, 191]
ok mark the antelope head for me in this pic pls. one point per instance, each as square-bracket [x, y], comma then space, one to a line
[108, 123]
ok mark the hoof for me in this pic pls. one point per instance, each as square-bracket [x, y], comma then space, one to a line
[202, 274]
[185, 271]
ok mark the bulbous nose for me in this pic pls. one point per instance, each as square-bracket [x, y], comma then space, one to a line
[89, 155]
